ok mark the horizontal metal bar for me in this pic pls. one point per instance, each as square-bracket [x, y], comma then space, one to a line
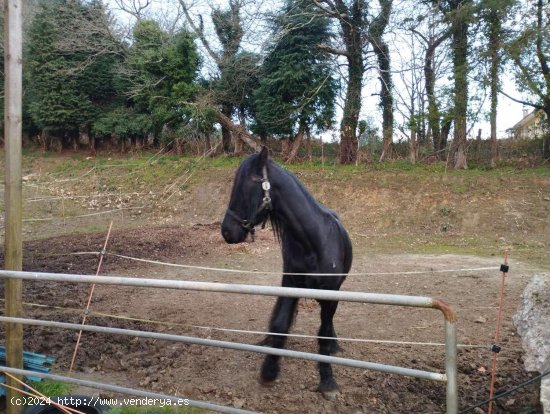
[127, 391]
[237, 346]
[365, 297]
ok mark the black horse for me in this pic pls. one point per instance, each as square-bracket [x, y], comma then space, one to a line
[312, 240]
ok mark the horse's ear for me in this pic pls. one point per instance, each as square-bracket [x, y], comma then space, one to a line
[264, 155]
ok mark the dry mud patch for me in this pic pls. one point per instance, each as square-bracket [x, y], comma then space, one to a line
[230, 377]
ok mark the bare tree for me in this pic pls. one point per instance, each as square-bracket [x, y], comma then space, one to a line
[135, 8]
[410, 97]
[433, 36]
[529, 52]
[233, 68]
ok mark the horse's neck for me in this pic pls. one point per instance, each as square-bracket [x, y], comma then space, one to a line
[299, 215]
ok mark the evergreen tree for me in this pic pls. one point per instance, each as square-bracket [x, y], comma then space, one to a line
[156, 83]
[297, 90]
[67, 86]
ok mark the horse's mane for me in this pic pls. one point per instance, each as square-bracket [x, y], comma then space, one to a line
[276, 223]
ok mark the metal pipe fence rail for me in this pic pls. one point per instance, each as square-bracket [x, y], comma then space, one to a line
[449, 377]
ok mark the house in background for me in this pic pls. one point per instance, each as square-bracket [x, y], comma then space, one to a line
[531, 126]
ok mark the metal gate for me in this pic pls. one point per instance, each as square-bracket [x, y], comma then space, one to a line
[449, 377]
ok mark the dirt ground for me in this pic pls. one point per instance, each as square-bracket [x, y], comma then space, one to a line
[399, 221]
[230, 377]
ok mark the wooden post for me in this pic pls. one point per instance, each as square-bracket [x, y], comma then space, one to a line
[13, 244]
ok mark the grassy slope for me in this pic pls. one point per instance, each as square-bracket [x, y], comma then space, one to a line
[391, 208]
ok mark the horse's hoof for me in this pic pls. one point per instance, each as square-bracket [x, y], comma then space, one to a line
[270, 369]
[330, 395]
[268, 383]
[329, 389]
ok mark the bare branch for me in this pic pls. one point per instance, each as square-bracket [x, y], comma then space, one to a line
[134, 8]
[331, 10]
[521, 101]
[334, 51]
[199, 31]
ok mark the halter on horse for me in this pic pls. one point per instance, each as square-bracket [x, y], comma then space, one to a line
[248, 225]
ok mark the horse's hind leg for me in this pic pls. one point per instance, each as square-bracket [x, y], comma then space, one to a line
[281, 320]
[327, 385]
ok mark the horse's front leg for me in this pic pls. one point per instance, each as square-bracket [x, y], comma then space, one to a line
[281, 319]
[328, 385]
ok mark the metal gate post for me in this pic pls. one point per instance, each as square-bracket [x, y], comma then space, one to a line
[450, 354]
[450, 367]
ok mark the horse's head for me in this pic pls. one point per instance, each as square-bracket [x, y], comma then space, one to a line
[250, 199]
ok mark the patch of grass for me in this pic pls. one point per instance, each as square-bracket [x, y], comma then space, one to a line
[52, 388]
[328, 171]
[223, 162]
[444, 210]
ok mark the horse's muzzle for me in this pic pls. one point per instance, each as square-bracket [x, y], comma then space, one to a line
[232, 231]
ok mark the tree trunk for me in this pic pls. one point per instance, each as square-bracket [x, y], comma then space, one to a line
[445, 131]
[494, 50]
[352, 107]
[295, 146]
[208, 142]
[386, 99]
[309, 144]
[434, 115]
[376, 32]
[226, 133]
[459, 27]
[352, 19]
[546, 110]
[413, 154]
[542, 57]
[433, 110]
[92, 144]
[414, 138]
[285, 147]
[140, 143]
[351, 22]
[178, 146]
[44, 140]
[238, 142]
[247, 138]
